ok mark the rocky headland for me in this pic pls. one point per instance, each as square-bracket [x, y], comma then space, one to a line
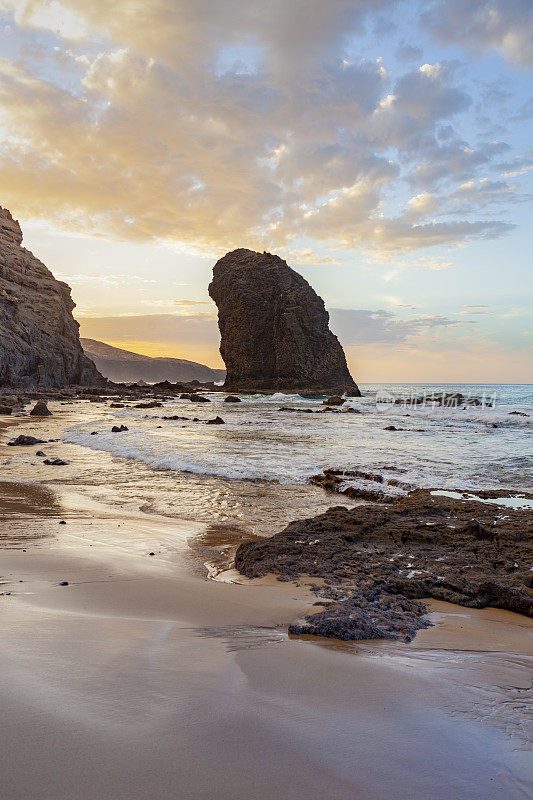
[376, 564]
[274, 328]
[39, 340]
[125, 366]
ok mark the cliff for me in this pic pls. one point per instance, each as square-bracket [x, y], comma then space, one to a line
[274, 328]
[39, 341]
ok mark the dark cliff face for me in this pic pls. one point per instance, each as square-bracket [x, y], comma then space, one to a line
[274, 327]
[39, 341]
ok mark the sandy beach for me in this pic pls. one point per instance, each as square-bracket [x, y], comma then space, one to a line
[143, 678]
[266, 400]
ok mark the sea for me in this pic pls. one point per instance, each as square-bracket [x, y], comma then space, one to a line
[253, 471]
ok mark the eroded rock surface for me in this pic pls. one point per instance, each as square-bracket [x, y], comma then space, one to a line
[374, 560]
[39, 340]
[274, 328]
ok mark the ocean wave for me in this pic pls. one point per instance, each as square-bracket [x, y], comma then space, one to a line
[442, 447]
[137, 446]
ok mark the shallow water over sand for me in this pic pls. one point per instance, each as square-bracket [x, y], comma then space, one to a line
[442, 447]
[252, 471]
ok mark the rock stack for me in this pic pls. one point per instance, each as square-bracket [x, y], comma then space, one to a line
[275, 328]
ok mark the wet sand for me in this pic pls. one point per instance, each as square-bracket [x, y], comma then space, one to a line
[143, 679]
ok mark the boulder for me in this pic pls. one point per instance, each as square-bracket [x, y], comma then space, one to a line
[215, 421]
[25, 441]
[274, 328]
[40, 409]
[231, 398]
[39, 341]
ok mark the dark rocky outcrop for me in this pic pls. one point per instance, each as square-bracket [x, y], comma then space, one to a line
[40, 409]
[39, 341]
[274, 328]
[375, 560]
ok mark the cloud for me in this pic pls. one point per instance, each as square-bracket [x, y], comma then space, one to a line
[482, 193]
[238, 124]
[170, 328]
[422, 204]
[105, 279]
[191, 303]
[408, 52]
[480, 25]
[361, 326]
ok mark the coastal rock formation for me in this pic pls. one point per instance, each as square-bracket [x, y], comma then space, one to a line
[375, 561]
[39, 342]
[274, 328]
[123, 365]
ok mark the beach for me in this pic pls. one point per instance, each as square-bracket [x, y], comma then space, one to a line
[142, 677]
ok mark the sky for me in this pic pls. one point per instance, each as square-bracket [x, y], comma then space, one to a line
[382, 147]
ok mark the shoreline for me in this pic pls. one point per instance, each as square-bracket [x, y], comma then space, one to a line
[139, 649]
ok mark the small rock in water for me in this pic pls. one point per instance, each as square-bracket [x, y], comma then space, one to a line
[231, 398]
[62, 522]
[151, 554]
[40, 453]
[215, 421]
[40, 409]
[336, 400]
[94, 433]
[63, 583]
[118, 428]
[391, 428]
[55, 462]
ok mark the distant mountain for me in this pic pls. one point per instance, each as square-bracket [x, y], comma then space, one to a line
[123, 366]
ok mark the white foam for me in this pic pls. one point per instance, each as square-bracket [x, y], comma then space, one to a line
[458, 450]
[509, 502]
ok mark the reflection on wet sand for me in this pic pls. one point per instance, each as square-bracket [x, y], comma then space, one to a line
[22, 503]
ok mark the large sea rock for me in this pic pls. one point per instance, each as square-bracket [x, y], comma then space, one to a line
[39, 341]
[274, 328]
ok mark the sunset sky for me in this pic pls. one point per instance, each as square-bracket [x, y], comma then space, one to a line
[383, 147]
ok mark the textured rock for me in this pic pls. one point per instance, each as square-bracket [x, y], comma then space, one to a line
[274, 328]
[39, 341]
[25, 441]
[40, 409]
[374, 560]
